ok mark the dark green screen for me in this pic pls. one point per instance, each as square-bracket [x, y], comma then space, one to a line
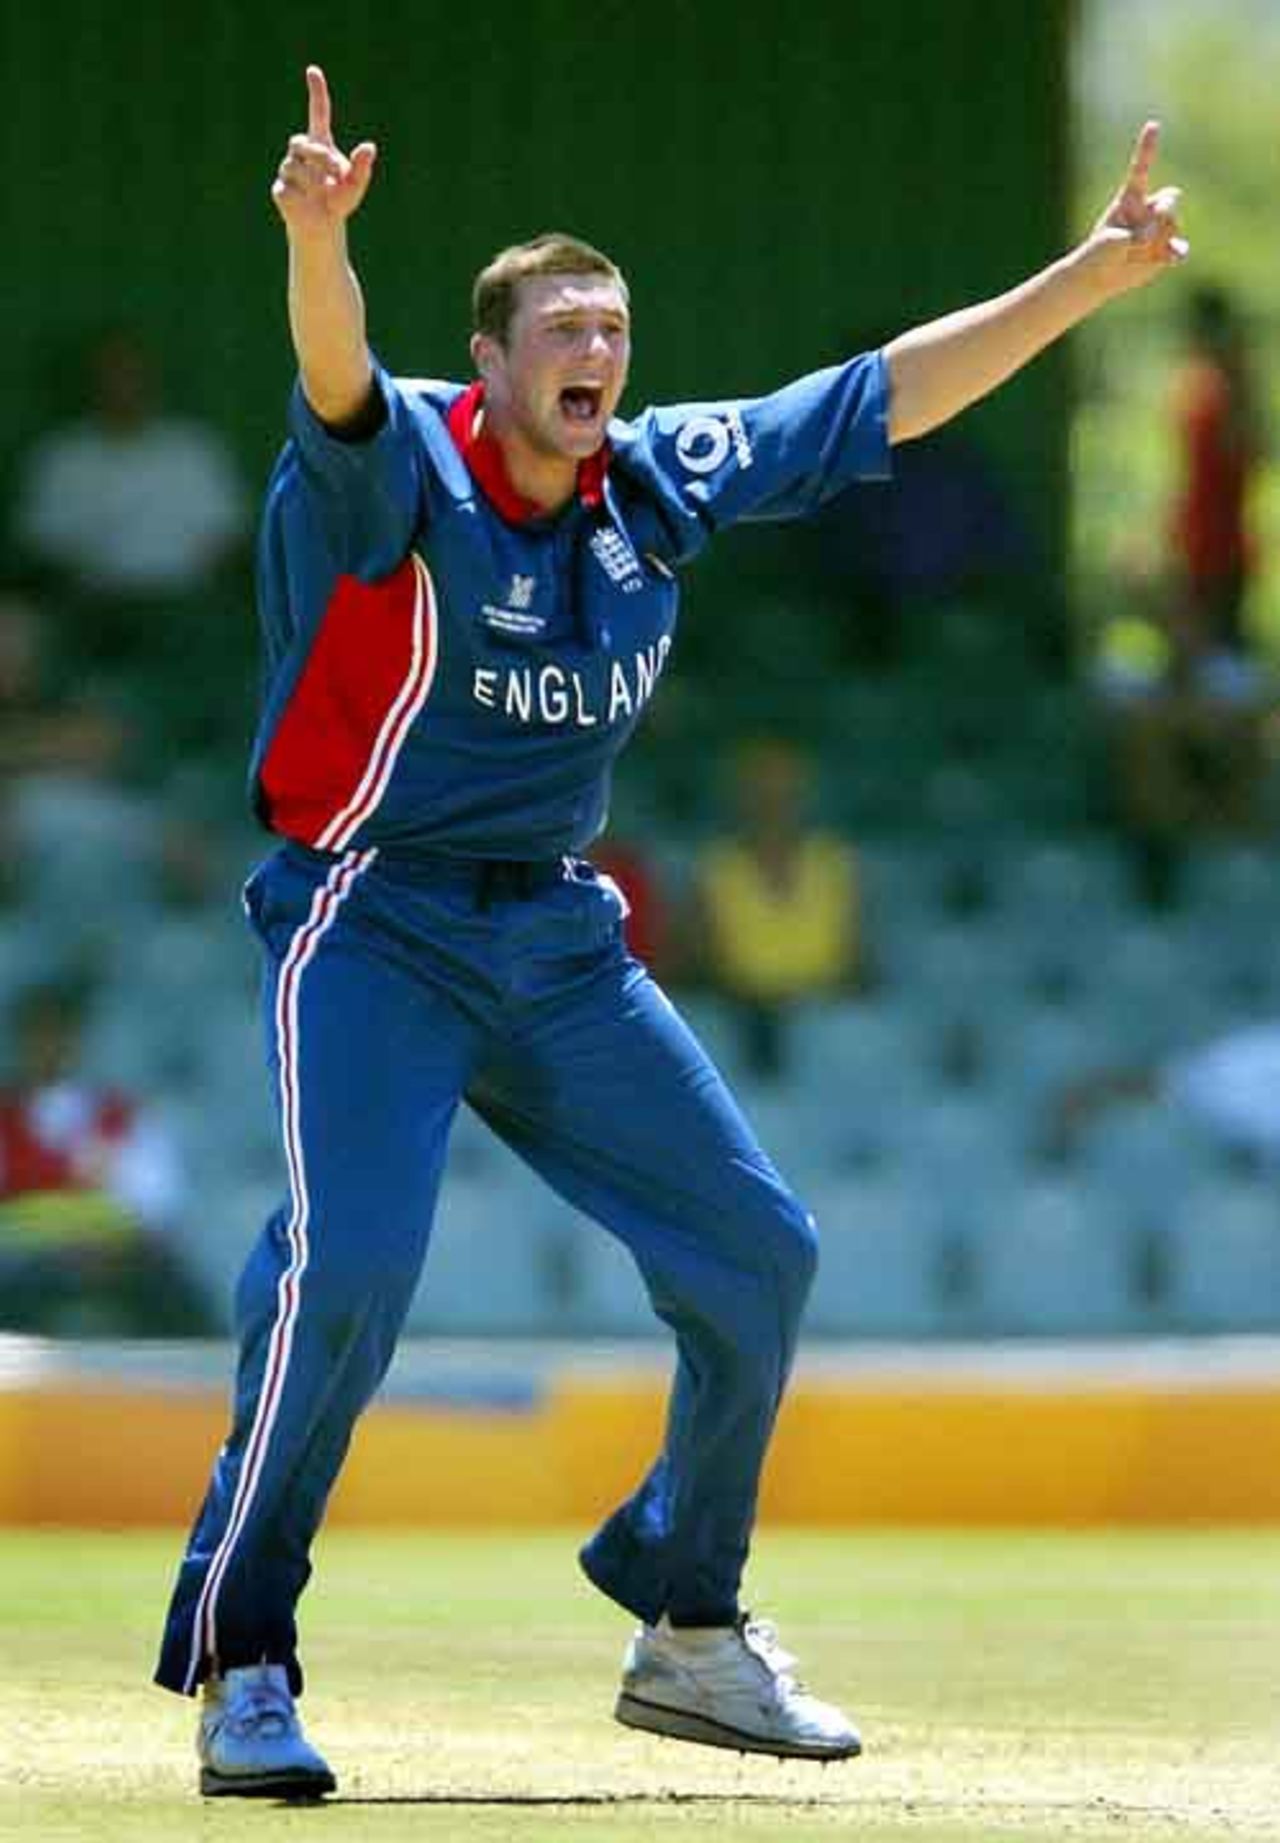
[776, 180]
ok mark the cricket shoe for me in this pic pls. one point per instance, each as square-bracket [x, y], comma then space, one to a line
[728, 1686]
[250, 1740]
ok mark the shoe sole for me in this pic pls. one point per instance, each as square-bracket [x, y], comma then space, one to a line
[682, 1725]
[290, 1785]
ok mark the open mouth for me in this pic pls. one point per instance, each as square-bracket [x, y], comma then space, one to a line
[581, 402]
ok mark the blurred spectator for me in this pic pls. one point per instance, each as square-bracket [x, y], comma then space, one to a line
[41, 732]
[1185, 704]
[1229, 1087]
[135, 525]
[1219, 433]
[1185, 734]
[778, 906]
[74, 831]
[91, 1187]
[943, 530]
[129, 503]
[647, 926]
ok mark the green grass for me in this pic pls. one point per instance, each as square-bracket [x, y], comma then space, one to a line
[1032, 1687]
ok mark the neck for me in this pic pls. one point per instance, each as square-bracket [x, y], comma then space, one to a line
[548, 480]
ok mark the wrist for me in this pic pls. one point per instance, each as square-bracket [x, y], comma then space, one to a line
[1092, 270]
[318, 246]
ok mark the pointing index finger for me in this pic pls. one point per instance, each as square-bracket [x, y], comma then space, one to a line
[319, 113]
[1144, 154]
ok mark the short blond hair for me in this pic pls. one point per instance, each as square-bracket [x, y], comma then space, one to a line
[554, 252]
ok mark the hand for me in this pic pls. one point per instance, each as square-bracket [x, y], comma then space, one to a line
[318, 187]
[1136, 238]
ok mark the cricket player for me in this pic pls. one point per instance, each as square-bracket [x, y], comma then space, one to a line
[468, 595]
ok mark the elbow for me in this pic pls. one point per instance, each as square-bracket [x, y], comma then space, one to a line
[922, 395]
[905, 418]
[907, 423]
[350, 407]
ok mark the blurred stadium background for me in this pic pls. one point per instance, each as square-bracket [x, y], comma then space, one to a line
[776, 194]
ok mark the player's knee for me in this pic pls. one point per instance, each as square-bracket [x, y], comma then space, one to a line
[343, 1283]
[343, 1273]
[762, 1313]
[781, 1242]
[795, 1247]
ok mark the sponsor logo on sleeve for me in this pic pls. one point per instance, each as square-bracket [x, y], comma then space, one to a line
[704, 442]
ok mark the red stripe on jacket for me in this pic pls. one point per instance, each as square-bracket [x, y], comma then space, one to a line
[359, 665]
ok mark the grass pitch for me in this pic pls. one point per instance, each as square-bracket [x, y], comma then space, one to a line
[1057, 1689]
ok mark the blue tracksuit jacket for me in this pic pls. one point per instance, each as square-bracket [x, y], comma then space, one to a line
[447, 676]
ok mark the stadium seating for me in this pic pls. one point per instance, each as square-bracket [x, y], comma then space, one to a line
[1225, 1268]
[913, 1120]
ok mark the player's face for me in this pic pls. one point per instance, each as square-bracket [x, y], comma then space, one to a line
[562, 370]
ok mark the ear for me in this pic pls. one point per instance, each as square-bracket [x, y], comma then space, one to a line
[483, 352]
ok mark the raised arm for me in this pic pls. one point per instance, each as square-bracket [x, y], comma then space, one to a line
[316, 190]
[936, 370]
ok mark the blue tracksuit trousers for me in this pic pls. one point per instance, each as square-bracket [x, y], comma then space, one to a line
[394, 989]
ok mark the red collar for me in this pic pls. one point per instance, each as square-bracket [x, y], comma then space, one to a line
[487, 463]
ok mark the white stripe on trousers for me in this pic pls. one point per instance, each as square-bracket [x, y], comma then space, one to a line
[325, 905]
